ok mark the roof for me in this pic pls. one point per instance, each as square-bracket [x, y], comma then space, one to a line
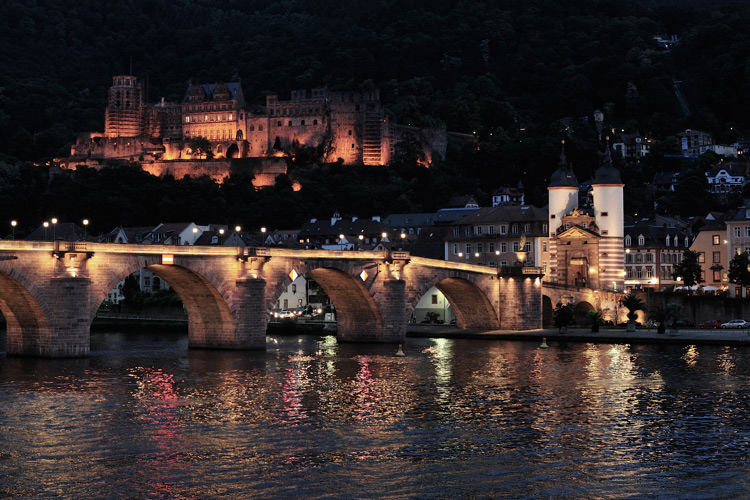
[505, 213]
[656, 234]
[233, 87]
[607, 173]
[563, 176]
[323, 228]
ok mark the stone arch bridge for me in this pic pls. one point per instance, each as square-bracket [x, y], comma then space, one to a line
[50, 291]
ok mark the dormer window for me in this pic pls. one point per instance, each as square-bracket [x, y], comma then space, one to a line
[641, 240]
[667, 242]
[675, 240]
[628, 241]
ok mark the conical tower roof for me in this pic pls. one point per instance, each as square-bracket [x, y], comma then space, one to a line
[607, 173]
[563, 176]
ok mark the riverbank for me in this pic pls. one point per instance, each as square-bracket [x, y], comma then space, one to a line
[688, 336]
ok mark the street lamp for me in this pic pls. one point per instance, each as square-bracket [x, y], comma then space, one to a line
[13, 225]
[221, 236]
[54, 227]
[46, 225]
[85, 227]
[341, 241]
[403, 241]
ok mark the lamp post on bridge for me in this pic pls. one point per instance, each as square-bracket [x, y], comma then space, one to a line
[46, 225]
[85, 229]
[13, 225]
[54, 228]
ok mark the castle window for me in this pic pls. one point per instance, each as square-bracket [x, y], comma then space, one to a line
[187, 119]
[231, 116]
[290, 123]
[350, 132]
[628, 241]
[252, 128]
[260, 128]
[514, 229]
[605, 214]
[544, 228]
[641, 240]
[302, 122]
[527, 228]
[315, 122]
[278, 123]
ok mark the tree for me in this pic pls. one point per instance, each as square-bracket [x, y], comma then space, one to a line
[563, 316]
[201, 147]
[689, 271]
[633, 303]
[739, 269]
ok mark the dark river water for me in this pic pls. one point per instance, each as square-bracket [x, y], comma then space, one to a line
[144, 417]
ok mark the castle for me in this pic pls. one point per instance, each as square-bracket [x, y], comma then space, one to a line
[350, 127]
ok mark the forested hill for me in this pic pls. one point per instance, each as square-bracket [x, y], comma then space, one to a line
[515, 73]
[473, 66]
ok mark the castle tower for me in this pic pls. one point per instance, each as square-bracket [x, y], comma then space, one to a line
[563, 194]
[124, 114]
[563, 198]
[607, 190]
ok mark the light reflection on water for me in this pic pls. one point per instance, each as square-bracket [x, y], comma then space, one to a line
[144, 417]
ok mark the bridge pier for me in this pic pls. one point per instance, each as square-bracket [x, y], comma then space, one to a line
[66, 333]
[250, 314]
[393, 311]
[520, 302]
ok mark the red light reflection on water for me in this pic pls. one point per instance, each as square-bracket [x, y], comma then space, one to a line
[156, 390]
[367, 399]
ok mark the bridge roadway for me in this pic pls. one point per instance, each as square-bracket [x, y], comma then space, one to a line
[50, 291]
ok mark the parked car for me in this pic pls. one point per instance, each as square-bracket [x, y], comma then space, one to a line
[711, 323]
[684, 323]
[735, 323]
[283, 313]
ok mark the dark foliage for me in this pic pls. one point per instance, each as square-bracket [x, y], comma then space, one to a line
[506, 71]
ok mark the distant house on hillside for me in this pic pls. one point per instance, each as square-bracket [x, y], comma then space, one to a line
[725, 179]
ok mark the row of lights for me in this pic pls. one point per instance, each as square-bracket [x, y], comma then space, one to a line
[46, 225]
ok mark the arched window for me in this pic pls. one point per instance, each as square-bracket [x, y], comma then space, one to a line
[628, 241]
[641, 240]
[667, 240]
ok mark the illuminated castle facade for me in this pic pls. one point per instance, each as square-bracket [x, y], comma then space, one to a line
[350, 126]
[586, 244]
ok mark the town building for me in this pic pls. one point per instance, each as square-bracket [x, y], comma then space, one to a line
[631, 146]
[652, 249]
[726, 179]
[347, 234]
[710, 243]
[501, 236]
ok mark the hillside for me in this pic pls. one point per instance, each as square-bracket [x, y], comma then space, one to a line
[508, 71]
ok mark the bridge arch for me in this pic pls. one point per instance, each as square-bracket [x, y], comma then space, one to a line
[211, 316]
[358, 314]
[470, 301]
[27, 326]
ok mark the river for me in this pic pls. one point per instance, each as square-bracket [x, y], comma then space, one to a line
[144, 417]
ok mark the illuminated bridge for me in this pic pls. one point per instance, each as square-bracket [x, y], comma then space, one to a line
[50, 291]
